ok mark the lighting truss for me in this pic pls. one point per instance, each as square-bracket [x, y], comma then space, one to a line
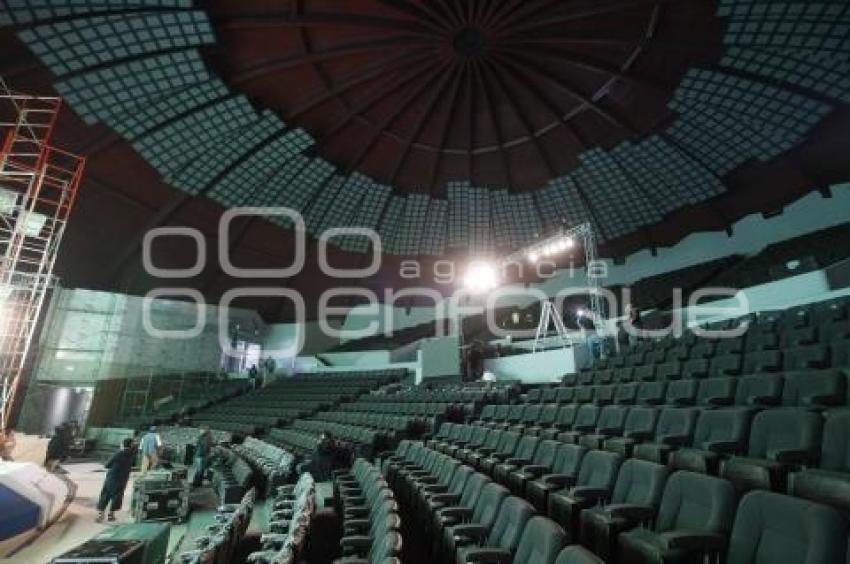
[38, 186]
[583, 235]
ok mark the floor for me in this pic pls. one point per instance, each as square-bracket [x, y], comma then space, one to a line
[78, 523]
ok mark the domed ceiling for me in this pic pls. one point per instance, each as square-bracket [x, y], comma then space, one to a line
[450, 127]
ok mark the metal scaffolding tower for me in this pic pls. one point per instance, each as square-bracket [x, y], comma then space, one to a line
[38, 186]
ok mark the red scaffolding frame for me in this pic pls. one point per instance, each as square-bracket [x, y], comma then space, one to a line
[38, 187]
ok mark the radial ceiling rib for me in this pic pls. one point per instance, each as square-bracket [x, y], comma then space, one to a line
[318, 19]
[275, 65]
[451, 10]
[352, 80]
[495, 77]
[390, 118]
[417, 11]
[453, 101]
[532, 67]
[495, 10]
[545, 103]
[377, 95]
[593, 9]
[425, 116]
[522, 10]
[497, 128]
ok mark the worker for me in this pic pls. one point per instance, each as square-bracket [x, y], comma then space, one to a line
[55, 450]
[149, 448]
[118, 469]
[7, 445]
[203, 452]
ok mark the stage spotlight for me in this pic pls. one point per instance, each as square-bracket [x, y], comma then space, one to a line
[569, 243]
[532, 256]
[480, 277]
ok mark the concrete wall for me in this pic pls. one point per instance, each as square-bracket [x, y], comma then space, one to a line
[540, 367]
[439, 356]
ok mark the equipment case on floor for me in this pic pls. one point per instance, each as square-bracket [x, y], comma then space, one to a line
[153, 535]
[104, 552]
[157, 497]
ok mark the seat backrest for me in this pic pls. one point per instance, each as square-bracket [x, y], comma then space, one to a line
[587, 416]
[623, 375]
[641, 419]
[548, 414]
[717, 391]
[509, 442]
[546, 453]
[479, 435]
[814, 387]
[501, 412]
[489, 503]
[541, 542]
[771, 528]
[568, 460]
[676, 421]
[762, 361]
[488, 411]
[640, 482]
[645, 373]
[626, 393]
[612, 418]
[695, 368]
[599, 469]
[507, 529]
[459, 478]
[493, 439]
[526, 447]
[473, 488]
[759, 386]
[515, 412]
[531, 413]
[835, 444]
[696, 502]
[651, 393]
[681, 392]
[576, 554]
[669, 371]
[784, 429]
[566, 415]
[802, 358]
[726, 365]
[724, 425]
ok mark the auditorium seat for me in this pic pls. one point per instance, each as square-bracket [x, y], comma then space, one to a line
[541, 463]
[829, 483]
[815, 388]
[576, 554]
[681, 393]
[651, 393]
[669, 371]
[545, 420]
[611, 422]
[780, 440]
[770, 528]
[638, 427]
[626, 394]
[563, 421]
[763, 390]
[540, 543]
[473, 542]
[563, 475]
[693, 519]
[594, 484]
[726, 365]
[674, 428]
[762, 361]
[505, 449]
[719, 433]
[585, 422]
[695, 369]
[522, 455]
[482, 516]
[716, 392]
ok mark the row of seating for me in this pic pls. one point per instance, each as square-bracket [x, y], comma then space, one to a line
[223, 536]
[231, 475]
[630, 511]
[273, 466]
[291, 513]
[370, 520]
[178, 443]
[805, 388]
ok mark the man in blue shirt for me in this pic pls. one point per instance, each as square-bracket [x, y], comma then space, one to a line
[149, 447]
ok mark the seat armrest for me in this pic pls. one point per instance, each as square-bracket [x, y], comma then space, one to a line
[722, 447]
[535, 470]
[638, 435]
[631, 512]
[693, 541]
[485, 451]
[444, 498]
[589, 493]
[763, 400]
[517, 461]
[495, 555]
[355, 525]
[356, 542]
[823, 399]
[435, 489]
[427, 480]
[562, 480]
[790, 456]
[456, 512]
[472, 531]
[673, 440]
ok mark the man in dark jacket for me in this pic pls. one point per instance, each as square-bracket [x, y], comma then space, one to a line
[203, 452]
[55, 450]
[117, 475]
